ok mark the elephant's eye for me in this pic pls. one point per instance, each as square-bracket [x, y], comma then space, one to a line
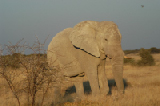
[106, 39]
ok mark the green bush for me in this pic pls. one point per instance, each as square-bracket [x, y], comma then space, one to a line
[146, 58]
[154, 50]
[129, 61]
[12, 61]
[15, 60]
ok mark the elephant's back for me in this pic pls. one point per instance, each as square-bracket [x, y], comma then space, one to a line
[60, 38]
[56, 48]
[61, 51]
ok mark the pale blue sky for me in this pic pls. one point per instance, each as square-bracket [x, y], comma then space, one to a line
[140, 27]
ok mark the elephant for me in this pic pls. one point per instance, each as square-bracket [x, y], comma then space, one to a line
[83, 49]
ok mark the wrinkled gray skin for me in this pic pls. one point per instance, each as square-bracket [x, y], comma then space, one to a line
[83, 49]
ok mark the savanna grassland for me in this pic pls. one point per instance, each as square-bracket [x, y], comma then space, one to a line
[142, 88]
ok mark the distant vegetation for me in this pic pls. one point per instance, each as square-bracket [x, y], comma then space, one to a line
[14, 60]
[11, 61]
[145, 54]
[131, 51]
[152, 50]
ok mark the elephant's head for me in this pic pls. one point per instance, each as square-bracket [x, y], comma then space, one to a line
[101, 39]
[97, 37]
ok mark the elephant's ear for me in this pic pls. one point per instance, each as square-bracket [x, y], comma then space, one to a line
[83, 36]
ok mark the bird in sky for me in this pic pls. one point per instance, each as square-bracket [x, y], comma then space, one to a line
[142, 6]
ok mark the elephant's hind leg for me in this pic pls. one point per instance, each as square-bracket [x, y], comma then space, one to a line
[79, 89]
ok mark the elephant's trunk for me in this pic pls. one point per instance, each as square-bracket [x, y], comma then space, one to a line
[117, 68]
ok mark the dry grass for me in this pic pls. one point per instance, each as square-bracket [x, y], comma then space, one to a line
[142, 88]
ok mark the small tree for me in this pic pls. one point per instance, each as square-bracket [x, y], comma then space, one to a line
[146, 58]
[33, 71]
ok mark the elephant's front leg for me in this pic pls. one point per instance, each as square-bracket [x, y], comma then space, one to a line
[103, 82]
[93, 80]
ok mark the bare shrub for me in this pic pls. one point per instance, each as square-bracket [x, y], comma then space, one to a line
[30, 72]
[38, 75]
[8, 65]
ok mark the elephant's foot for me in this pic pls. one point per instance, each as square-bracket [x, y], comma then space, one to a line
[117, 95]
[104, 91]
[79, 98]
[120, 93]
[97, 98]
[57, 98]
